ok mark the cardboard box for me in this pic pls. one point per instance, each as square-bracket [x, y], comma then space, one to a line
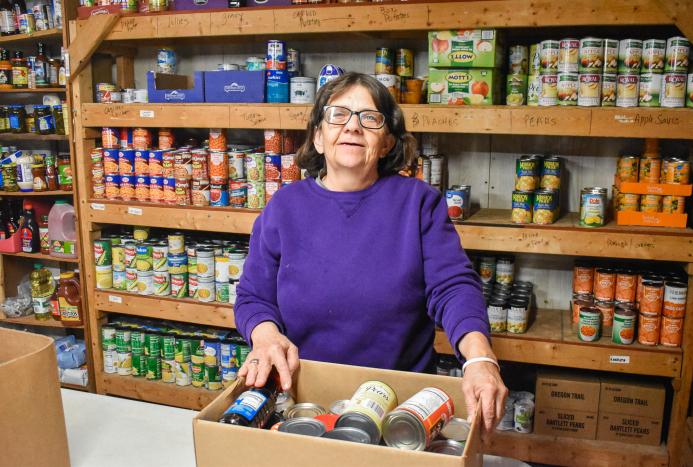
[465, 48]
[235, 86]
[324, 383]
[31, 421]
[568, 423]
[463, 86]
[268, 2]
[626, 397]
[175, 89]
[198, 5]
[629, 429]
[567, 391]
[84, 12]
[651, 219]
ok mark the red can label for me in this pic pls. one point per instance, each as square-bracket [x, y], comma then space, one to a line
[109, 138]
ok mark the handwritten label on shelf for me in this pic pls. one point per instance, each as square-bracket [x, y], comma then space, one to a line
[540, 121]
[115, 299]
[533, 239]
[436, 121]
[98, 206]
[619, 359]
[631, 244]
[307, 18]
[134, 211]
[645, 119]
[393, 15]
[115, 111]
[129, 24]
[146, 114]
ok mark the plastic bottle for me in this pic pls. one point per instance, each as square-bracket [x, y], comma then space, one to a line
[70, 300]
[255, 406]
[31, 242]
[25, 178]
[61, 230]
[42, 286]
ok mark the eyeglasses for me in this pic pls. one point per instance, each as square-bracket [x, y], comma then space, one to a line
[371, 119]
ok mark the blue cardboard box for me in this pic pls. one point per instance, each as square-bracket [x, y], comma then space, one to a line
[172, 89]
[235, 86]
[181, 5]
[268, 2]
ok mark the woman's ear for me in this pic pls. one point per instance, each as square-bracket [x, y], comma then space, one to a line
[317, 140]
[388, 144]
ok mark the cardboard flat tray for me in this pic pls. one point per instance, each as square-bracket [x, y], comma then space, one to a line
[651, 219]
[324, 383]
[641, 188]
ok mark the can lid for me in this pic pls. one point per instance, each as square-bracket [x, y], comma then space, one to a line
[303, 426]
[347, 433]
[403, 430]
[447, 446]
[338, 407]
[457, 429]
[362, 422]
[304, 409]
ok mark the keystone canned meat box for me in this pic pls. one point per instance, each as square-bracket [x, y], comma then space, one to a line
[235, 86]
[175, 89]
[324, 383]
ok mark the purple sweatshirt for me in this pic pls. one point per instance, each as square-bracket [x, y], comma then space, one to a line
[360, 277]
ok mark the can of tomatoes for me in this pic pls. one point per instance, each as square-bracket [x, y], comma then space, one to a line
[583, 278]
[671, 332]
[604, 284]
[648, 329]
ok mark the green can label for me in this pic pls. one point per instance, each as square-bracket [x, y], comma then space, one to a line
[108, 338]
[624, 329]
[137, 340]
[168, 347]
[153, 367]
[122, 339]
[144, 259]
[139, 365]
[103, 253]
[183, 350]
[152, 345]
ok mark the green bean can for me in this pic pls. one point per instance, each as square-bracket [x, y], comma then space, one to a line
[197, 360]
[108, 338]
[222, 292]
[168, 347]
[139, 365]
[103, 252]
[152, 345]
[243, 351]
[137, 342]
[122, 339]
[183, 347]
[153, 367]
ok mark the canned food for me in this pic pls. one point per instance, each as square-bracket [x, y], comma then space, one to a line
[589, 90]
[179, 285]
[589, 326]
[674, 204]
[497, 315]
[678, 49]
[109, 138]
[653, 56]
[533, 89]
[522, 205]
[256, 195]
[255, 167]
[182, 165]
[583, 278]
[627, 90]
[689, 95]
[629, 56]
[458, 201]
[527, 173]
[199, 169]
[141, 139]
[626, 284]
[568, 55]
[545, 207]
[652, 297]
[651, 203]
[650, 87]
[518, 60]
[548, 55]
[591, 55]
[624, 326]
[415, 423]
[162, 283]
[610, 56]
[384, 61]
[593, 207]
[516, 90]
[447, 446]
[650, 170]
[518, 316]
[217, 140]
[673, 92]
[678, 171]
[604, 284]
[607, 311]
[303, 426]
[155, 163]
[674, 305]
[200, 192]
[608, 90]
[303, 410]
[567, 88]
[648, 329]
[549, 91]
[145, 282]
[367, 408]
[671, 332]
[204, 291]
[404, 59]
[103, 252]
[160, 257]
[505, 270]
[628, 202]
[302, 90]
[578, 302]
[131, 280]
[523, 416]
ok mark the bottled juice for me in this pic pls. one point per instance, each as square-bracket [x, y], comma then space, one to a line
[70, 300]
[61, 230]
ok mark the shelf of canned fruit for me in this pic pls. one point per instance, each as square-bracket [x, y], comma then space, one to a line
[173, 353]
[129, 168]
[170, 264]
[629, 304]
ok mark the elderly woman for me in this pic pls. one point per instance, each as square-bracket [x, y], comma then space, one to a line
[357, 264]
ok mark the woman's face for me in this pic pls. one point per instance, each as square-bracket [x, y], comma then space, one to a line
[352, 148]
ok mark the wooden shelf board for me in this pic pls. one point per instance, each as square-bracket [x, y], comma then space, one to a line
[498, 119]
[549, 341]
[36, 193]
[158, 392]
[553, 450]
[392, 17]
[31, 90]
[42, 257]
[74, 386]
[43, 35]
[31, 137]
[177, 309]
[32, 321]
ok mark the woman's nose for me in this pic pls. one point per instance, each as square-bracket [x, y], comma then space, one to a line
[353, 124]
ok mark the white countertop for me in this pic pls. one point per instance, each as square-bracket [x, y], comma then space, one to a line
[105, 431]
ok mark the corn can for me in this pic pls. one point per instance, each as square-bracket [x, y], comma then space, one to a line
[367, 408]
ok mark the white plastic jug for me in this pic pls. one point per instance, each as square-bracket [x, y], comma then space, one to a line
[61, 230]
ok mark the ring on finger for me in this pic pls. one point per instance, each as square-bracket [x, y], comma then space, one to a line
[254, 361]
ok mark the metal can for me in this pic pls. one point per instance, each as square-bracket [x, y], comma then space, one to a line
[650, 170]
[127, 187]
[176, 243]
[527, 172]
[166, 61]
[277, 86]
[551, 173]
[545, 207]
[218, 195]
[238, 194]
[255, 167]
[145, 282]
[303, 426]
[589, 90]
[384, 61]
[200, 192]
[583, 278]
[367, 408]
[533, 89]
[522, 204]
[236, 165]
[518, 316]
[497, 315]
[589, 326]
[567, 89]
[415, 423]
[606, 308]
[648, 329]
[627, 202]
[276, 51]
[458, 201]
[653, 56]
[591, 55]
[629, 56]
[516, 90]
[144, 260]
[131, 280]
[623, 331]
[673, 92]
[109, 138]
[179, 285]
[141, 188]
[141, 139]
[523, 416]
[182, 165]
[651, 203]
[111, 161]
[293, 62]
[404, 62]
[535, 59]
[549, 90]
[568, 55]
[302, 90]
[518, 60]
[608, 90]
[649, 89]
[671, 332]
[678, 49]
[593, 207]
[103, 253]
[652, 297]
[678, 171]
[674, 204]
[204, 291]
[689, 94]
[256, 195]
[162, 283]
[610, 56]
[549, 51]
[155, 163]
[604, 284]
[487, 269]
[199, 169]
[183, 195]
[627, 93]
[168, 164]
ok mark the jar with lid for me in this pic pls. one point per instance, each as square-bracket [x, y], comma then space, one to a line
[30, 121]
[44, 122]
[51, 172]
[53, 72]
[20, 71]
[64, 172]
[58, 120]
[3, 120]
[25, 178]
[9, 177]
[6, 118]
[5, 70]
[38, 171]
[17, 119]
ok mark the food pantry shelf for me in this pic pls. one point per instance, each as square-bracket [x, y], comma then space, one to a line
[176, 309]
[31, 137]
[35, 36]
[549, 341]
[568, 451]
[621, 122]
[41, 256]
[32, 321]
[36, 193]
[33, 90]
[186, 397]
[74, 386]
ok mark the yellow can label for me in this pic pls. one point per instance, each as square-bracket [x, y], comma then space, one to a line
[373, 399]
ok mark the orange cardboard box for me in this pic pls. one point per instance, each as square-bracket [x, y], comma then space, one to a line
[323, 383]
[32, 424]
[642, 188]
[651, 219]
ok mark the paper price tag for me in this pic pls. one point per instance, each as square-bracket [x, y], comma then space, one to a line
[115, 299]
[98, 206]
[619, 359]
[135, 211]
[146, 114]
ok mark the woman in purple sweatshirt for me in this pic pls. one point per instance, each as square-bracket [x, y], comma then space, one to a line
[357, 264]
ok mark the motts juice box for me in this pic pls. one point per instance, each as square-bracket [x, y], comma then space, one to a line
[465, 48]
[463, 86]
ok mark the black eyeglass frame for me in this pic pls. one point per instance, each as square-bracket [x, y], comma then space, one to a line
[351, 114]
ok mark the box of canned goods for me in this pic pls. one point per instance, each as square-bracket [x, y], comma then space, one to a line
[422, 402]
[470, 48]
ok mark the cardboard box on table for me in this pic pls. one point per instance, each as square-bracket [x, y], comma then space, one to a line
[323, 383]
[32, 424]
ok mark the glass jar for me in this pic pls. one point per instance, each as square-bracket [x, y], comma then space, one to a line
[58, 120]
[54, 72]
[30, 122]
[9, 177]
[17, 115]
[51, 172]
[64, 172]
[3, 120]
[38, 171]
[45, 125]
[20, 71]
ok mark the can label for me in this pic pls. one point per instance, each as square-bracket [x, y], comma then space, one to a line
[589, 326]
[627, 93]
[374, 399]
[179, 285]
[624, 329]
[518, 317]
[432, 407]
[162, 283]
[592, 210]
[650, 87]
[673, 92]
[568, 89]
[549, 90]
[674, 300]
[103, 253]
[591, 55]
[589, 90]
[629, 56]
[497, 317]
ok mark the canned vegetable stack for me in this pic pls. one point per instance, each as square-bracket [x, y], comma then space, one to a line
[617, 301]
[170, 265]
[518, 66]
[536, 198]
[395, 70]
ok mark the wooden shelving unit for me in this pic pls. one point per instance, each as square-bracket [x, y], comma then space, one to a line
[56, 34]
[23, 194]
[31, 137]
[31, 90]
[76, 387]
[42, 257]
[31, 321]
[549, 341]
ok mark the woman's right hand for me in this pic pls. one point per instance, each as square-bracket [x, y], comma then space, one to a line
[270, 348]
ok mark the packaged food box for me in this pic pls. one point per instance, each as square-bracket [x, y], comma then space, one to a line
[565, 422]
[463, 86]
[631, 429]
[559, 390]
[465, 48]
[632, 397]
[175, 89]
[324, 383]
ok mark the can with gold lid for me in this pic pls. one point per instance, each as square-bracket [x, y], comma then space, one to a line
[367, 408]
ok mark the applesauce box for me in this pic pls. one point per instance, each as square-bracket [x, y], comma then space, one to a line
[465, 48]
[463, 86]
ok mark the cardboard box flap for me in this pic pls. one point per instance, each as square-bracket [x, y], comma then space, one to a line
[169, 81]
[323, 383]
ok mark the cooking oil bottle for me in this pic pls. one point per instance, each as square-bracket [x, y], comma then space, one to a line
[42, 288]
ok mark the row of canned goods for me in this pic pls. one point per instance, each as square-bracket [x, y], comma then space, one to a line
[649, 169]
[519, 412]
[536, 198]
[593, 72]
[424, 422]
[186, 360]
[108, 93]
[508, 306]
[669, 204]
